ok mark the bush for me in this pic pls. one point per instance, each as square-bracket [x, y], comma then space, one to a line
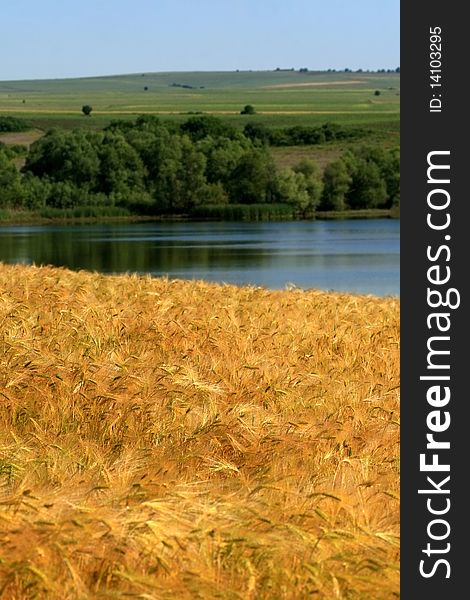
[299, 135]
[36, 191]
[12, 125]
[18, 150]
[207, 125]
[255, 131]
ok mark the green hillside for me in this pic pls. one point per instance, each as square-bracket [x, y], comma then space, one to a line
[281, 98]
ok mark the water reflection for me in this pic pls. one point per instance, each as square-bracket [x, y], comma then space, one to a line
[357, 255]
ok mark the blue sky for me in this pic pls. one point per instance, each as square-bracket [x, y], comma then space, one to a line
[64, 38]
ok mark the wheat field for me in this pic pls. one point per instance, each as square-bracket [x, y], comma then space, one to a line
[165, 439]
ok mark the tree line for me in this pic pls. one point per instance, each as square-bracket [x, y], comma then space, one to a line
[300, 135]
[150, 167]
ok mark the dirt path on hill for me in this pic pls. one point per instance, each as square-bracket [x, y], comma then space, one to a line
[21, 137]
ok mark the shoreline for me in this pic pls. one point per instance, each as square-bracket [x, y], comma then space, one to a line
[26, 218]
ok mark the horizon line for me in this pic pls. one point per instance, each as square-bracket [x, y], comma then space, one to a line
[143, 73]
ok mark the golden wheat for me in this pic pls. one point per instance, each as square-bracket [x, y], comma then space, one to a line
[164, 439]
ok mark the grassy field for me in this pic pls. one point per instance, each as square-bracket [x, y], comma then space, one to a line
[280, 98]
[165, 439]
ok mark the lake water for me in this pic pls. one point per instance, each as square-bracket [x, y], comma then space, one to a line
[350, 255]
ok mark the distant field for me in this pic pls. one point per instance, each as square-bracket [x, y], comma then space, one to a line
[281, 98]
[289, 156]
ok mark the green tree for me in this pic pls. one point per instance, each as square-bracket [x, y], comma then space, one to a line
[177, 173]
[10, 185]
[313, 184]
[191, 177]
[252, 181]
[248, 109]
[86, 110]
[388, 163]
[336, 181]
[390, 170]
[291, 188]
[222, 156]
[121, 168]
[367, 189]
[301, 187]
[66, 156]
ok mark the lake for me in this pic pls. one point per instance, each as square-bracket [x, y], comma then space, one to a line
[356, 255]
